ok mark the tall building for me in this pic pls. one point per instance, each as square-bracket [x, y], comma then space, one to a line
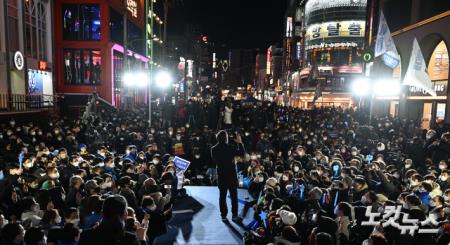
[26, 53]
[274, 66]
[90, 48]
[261, 73]
[241, 72]
[324, 43]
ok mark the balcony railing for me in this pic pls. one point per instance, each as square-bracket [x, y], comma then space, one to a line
[26, 102]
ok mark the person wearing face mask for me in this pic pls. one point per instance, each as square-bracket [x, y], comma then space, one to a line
[296, 167]
[443, 165]
[300, 155]
[29, 168]
[70, 170]
[408, 164]
[444, 181]
[52, 178]
[157, 218]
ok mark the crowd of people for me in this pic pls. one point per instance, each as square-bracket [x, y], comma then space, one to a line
[320, 176]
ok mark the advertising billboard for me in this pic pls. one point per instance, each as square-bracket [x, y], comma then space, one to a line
[333, 29]
[316, 5]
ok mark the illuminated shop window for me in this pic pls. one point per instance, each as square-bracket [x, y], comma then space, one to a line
[438, 66]
[82, 66]
[81, 22]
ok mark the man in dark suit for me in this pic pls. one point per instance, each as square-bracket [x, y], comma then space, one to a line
[222, 155]
[111, 230]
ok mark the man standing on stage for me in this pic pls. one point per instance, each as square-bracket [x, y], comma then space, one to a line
[223, 155]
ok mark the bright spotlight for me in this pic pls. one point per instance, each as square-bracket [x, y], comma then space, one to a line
[128, 79]
[163, 79]
[361, 87]
[388, 87]
[139, 79]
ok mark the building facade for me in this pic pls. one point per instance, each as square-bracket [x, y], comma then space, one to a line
[26, 51]
[90, 47]
[324, 50]
[430, 27]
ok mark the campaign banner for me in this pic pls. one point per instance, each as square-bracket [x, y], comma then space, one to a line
[181, 164]
[417, 74]
[385, 46]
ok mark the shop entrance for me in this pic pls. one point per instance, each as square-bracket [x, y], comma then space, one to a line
[426, 119]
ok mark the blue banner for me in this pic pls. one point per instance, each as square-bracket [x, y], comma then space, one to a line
[181, 164]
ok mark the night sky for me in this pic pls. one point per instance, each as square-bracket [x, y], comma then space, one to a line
[235, 23]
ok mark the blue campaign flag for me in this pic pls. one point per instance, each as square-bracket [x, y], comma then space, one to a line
[181, 164]
[21, 157]
[302, 191]
[263, 216]
[246, 182]
[336, 197]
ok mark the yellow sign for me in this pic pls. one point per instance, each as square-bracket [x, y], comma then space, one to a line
[347, 28]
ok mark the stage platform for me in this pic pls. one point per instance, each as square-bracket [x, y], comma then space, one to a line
[196, 219]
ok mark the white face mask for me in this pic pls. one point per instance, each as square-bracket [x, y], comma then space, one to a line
[407, 165]
[285, 178]
[443, 178]
[296, 169]
[261, 179]
[364, 200]
[155, 161]
[442, 167]
[178, 137]
[106, 185]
